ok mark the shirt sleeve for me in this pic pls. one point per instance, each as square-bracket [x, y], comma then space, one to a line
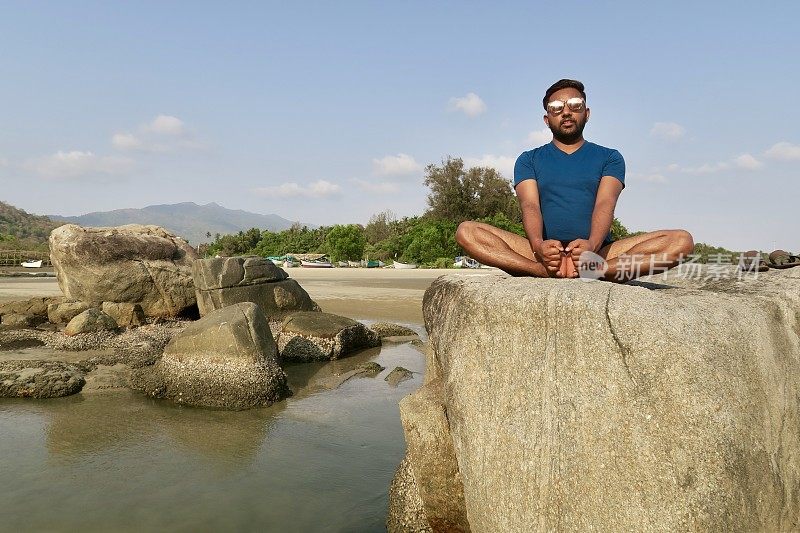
[615, 166]
[523, 168]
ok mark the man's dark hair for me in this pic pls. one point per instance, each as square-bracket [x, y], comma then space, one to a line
[562, 84]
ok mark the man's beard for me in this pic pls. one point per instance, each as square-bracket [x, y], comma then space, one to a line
[569, 137]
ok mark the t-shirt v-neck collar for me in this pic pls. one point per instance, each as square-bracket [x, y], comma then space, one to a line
[565, 154]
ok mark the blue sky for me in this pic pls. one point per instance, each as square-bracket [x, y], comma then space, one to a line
[328, 112]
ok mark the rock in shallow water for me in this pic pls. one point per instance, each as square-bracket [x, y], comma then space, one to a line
[39, 379]
[227, 360]
[317, 336]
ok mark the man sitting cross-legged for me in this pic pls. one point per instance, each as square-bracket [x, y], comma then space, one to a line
[567, 191]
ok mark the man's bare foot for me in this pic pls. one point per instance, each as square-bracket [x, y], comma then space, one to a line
[567, 269]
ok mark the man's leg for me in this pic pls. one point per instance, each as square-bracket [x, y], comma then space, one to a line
[502, 249]
[655, 251]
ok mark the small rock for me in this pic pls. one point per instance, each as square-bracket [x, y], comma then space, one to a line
[61, 313]
[90, 321]
[388, 329]
[125, 314]
[13, 320]
[398, 375]
[39, 379]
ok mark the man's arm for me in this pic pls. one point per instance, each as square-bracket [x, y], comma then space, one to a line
[602, 217]
[547, 252]
[603, 214]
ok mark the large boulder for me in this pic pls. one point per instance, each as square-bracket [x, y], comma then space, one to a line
[318, 336]
[592, 406]
[133, 263]
[224, 281]
[227, 359]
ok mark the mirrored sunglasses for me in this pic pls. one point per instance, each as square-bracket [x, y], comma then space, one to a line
[556, 107]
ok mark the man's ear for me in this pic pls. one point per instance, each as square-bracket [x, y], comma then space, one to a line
[588, 112]
[547, 120]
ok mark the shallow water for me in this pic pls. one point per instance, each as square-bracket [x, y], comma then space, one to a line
[319, 461]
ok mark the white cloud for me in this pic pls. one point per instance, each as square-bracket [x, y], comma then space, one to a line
[540, 137]
[747, 161]
[77, 164]
[650, 178]
[501, 163]
[377, 187]
[126, 141]
[784, 151]
[163, 134]
[668, 131]
[395, 165]
[317, 189]
[471, 105]
[166, 125]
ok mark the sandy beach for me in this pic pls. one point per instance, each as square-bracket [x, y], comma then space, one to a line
[381, 294]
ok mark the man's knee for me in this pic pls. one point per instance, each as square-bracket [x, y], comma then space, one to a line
[465, 233]
[682, 242]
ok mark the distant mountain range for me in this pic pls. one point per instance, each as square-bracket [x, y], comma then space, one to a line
[188, 220]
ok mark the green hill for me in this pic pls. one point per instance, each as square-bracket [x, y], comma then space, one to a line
[20, 230]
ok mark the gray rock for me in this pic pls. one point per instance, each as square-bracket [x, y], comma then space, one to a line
[133, 263]
[316, 336]
[13, 320]
[224, 281]
[62, 313]
[125, 314]
[398, 375]
[620, 407]
[32, 306]
[90, 321]
[39, 379]
[387, 329]
[406, 513]
[228, 360]
[430, 452]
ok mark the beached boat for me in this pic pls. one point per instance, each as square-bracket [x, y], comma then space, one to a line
[316, 263]
[374, 264]
[398, 264]
[354, 264]
[466, 262]
[277, 260]
[342, 264]
[32, 264]
[290, 262]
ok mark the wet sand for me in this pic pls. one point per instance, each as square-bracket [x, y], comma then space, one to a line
[381, 293]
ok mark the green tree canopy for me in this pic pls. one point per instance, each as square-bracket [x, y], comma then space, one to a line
[458, 193]
[346, 242]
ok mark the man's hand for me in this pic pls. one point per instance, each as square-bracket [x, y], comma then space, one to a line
[575, 249]
[549, 253]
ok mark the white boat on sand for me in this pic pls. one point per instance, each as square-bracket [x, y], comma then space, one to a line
[466, 262]
[398, 264]
[32, 264]
[316, 263]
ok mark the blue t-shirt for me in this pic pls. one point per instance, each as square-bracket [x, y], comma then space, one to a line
[568, 185]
